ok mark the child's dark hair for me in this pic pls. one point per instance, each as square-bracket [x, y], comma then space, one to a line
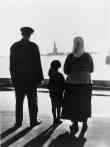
[55, 64]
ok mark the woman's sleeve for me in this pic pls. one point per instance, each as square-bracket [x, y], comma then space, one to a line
[91, 64]
[67, 65]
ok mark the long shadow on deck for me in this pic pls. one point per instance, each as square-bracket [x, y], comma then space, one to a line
[16, 137]
[37, 141]
[42, 138]
[8, 132]
[67, 140]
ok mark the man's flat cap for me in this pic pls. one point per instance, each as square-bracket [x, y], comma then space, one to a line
[26, 30]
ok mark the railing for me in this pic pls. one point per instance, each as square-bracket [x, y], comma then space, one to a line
[6, 84]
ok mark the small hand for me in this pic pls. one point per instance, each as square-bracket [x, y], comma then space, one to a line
[43, 82]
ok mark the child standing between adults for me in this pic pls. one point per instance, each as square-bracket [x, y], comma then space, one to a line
[56, 89]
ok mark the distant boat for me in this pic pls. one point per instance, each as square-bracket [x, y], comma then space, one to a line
[107, 60]
[55, 51]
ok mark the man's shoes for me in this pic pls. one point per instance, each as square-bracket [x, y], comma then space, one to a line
[17, 125]
[74, 129]
[35, 124]
[84, 128]
[83, 131]
[58, 121]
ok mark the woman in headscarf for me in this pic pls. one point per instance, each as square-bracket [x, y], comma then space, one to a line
[77, 98]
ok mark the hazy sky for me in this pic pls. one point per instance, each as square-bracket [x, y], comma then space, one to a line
[59, 20]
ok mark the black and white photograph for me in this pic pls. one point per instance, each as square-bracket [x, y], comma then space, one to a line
[55, 73]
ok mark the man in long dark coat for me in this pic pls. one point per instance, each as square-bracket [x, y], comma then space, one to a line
[26, 74]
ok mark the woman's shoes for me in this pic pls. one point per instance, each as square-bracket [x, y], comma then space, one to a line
[83, 131]
[74, 129]
[84, 128]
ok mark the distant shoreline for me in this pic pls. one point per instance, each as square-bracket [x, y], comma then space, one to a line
[62, 53]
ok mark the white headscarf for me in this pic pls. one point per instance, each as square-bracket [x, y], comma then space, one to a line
[78, 46]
